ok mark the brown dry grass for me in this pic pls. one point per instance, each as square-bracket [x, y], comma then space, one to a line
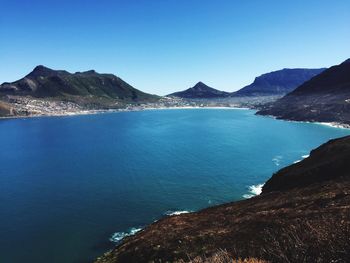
[221, 257]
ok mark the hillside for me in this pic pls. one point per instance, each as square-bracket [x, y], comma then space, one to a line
[43, 82]
[324, 98]
[45, 91]
[200, 91]
[302, 215]
[278, 82]
[5, 109]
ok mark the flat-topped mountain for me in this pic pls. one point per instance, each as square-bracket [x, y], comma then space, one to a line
[44, 82]
[324, 98]
[278, 82]
[302, 215]
[200, 91]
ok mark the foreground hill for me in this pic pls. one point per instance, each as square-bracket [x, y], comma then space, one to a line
[200, 91]
[302, 215]
[278, 82]
[324, 98]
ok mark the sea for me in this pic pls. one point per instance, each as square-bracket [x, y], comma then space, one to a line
[72, 187]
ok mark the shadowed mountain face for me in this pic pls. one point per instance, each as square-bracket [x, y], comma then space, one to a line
[278, 82]
[324, 98]
[303, 215]
[43, 82]
[328, 162]
[200, 91]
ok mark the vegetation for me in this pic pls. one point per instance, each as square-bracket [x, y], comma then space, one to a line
[221, 256]
[84, 88]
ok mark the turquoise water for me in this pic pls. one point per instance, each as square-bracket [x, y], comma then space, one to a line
[68, 183]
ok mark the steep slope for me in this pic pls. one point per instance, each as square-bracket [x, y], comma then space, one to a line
[324, 98]
[200, 91]
[327, 162]
[43, 82]
[303, 215]
[278, 82]
[5, 109]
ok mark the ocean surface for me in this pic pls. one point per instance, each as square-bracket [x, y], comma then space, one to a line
[70, 186]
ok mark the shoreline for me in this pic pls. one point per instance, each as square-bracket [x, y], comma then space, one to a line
[94, 112]
[329, 124]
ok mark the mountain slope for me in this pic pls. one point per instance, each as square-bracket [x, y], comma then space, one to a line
[324, 98]
[5, 109]
[302, 215]
[43, 82]
[278, 82]
[200, 91]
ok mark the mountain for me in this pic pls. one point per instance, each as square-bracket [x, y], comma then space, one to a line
[302, 215]
[44, 82]
[200, 91]
[328, 162]
[324, 98]
[5, 109]
[278, 82]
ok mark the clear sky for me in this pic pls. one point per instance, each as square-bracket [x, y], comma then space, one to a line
[162, 46]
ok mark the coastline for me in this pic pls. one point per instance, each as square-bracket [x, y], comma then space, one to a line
[337, 125]
[94, 112]
[329, 124]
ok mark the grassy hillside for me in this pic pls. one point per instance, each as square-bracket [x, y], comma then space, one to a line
[43, 82]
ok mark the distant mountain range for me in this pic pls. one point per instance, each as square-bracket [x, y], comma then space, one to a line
[200, 91]
[278, 82]
[324, 98]
[44, 82]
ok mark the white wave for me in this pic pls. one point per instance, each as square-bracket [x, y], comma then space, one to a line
[118, 236]
[247, 196]
[175, 213]
[303, 156]
[334, 125]
[254, 190]
[277, 160]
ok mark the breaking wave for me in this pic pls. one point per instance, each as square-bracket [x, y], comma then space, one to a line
[175, 213]
[118, 236]
[303, 156]
[253, 190]
[277, 160]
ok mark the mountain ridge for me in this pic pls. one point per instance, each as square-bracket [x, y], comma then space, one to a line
[200, 91]
[324, 98]
[44, 82]
[278, 82]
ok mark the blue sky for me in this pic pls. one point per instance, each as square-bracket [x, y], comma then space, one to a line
[161, 46]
